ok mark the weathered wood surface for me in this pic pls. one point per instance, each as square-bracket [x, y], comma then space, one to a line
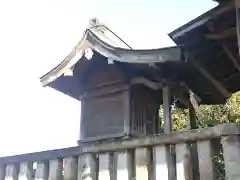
[205, 157]
[161, 163]
[231, 152]
[26, 171]
[12, 172]
[161, 139]
[183, 161]
[42, 171]
[139, 159]
[2, 172]
[55, 169]
[70, 168]
[125, 165]
[104, 167]
[143, 161]
[87, 167]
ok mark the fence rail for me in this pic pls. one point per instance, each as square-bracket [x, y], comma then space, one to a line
[138, 158]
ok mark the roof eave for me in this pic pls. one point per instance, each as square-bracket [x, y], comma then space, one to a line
[90, 40]
[199, 21]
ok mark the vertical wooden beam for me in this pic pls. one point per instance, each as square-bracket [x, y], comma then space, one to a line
[184, 163]
[193, 146]
[70, 168]
[55, 169]
[237, 5]
[161, 163]
[205, 156]
[231, 152]
[2, 171]
[193, 118]
[26, 171]
[125, 165]
[12, 172]
[170, 151]
[87, 167]
[143, 162]
[42, 171]
[167, 110]
[104, 167]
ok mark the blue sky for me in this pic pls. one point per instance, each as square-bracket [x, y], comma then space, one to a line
[36, 35]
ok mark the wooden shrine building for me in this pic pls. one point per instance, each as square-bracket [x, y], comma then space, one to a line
[121, 90]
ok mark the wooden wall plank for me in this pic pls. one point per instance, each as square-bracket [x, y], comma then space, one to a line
[87, 167]
[42, 171]
[55, 169]
[70, 168]
[26, 171]
[205, 157]
[231, 152]
[12, 172]
[104, 167]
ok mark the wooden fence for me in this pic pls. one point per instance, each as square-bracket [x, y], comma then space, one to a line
[178, 155]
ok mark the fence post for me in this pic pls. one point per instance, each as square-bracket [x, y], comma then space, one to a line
[231, 152]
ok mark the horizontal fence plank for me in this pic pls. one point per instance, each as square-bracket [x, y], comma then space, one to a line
[172, 138]
[161, 139]
[42, 156]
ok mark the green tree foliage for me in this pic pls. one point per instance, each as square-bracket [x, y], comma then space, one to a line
[210, 115]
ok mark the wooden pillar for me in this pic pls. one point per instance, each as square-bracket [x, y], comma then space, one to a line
[167, 110]
[237, 4]
[194, 147]
[193, 118]
[170, 150]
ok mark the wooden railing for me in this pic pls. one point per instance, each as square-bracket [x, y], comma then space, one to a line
[178, 155]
